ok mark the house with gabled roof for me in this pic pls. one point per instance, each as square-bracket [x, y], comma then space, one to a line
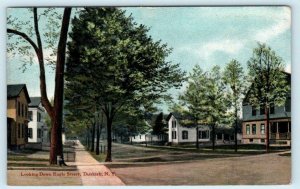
[17, 115]
[38, 131]
[254, 122]
[182, 129]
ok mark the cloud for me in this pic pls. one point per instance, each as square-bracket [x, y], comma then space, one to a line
[283, 23]
[229, 46]
[288, 68]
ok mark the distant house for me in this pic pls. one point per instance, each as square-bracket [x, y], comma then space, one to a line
[254, 122]
[37, 129]
[183, 130]
[147, 138]
[17, 115]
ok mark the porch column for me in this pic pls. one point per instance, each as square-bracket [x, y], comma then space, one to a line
[277, 131]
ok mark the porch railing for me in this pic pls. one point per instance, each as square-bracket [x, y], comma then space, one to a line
[280, 136]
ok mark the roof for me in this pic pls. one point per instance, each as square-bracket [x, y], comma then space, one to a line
[13, 91]
[184, 120]
[35, 101]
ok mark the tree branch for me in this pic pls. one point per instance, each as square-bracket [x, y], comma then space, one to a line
[43, 87]
[24, 36]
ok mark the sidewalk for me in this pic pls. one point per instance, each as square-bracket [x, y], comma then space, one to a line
[92, 172]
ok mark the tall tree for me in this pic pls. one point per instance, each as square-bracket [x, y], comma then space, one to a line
[194, 97]
[55, 111]
[268, 82]
[205, 99]
[234, 78]
[120, 63]
[216, 101]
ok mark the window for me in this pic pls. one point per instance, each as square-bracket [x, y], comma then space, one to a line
[22, 131]
[39, 133]
[140, 136]
[22, 110]
[248, 129]
[272, 108]
[262, 140]
[262, 128]
[203, 134]
[30, 132]
[254, 129]
[174, 124]
[39, 117]
[261, 110]
[185, 135]
[26, 111]
[30, 115]
[173, 134]
[253, 110]
[251, 140]
[19, 107]
[19, 130]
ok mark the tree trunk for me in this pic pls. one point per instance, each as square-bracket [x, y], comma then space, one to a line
[53, 144]
[236, 131]
[93, 138]
[98, 139]
[197, 137]
[213, 137]
[57, 149]
[267, 129]
[88, 138]
[109, 140]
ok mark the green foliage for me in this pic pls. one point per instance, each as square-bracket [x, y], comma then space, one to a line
[159, 126]
[205, 96]
[267, 76]
[50, 22]
[130, 123]
[113, 61]
[235, 82]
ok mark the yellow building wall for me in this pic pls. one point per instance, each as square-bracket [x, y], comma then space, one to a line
[12, 112]
[11, 109]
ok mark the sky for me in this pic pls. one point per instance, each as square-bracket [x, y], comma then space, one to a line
[206, 36]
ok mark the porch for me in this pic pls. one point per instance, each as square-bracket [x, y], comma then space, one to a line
[280, 132]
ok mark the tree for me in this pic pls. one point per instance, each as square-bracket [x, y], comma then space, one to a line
[234, 78]
[121, 65]
[194, 97]
[55, 111]
[205, 99]
[268, 81]
[159, 125]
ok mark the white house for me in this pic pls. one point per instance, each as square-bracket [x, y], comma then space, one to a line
[146, 138]
[187, 133]
[37, 129]
[182, 130]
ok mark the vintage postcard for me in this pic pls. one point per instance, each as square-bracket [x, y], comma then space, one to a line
[149, 95]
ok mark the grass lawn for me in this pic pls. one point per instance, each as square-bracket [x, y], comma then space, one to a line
[24, 158]
[100, 157]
